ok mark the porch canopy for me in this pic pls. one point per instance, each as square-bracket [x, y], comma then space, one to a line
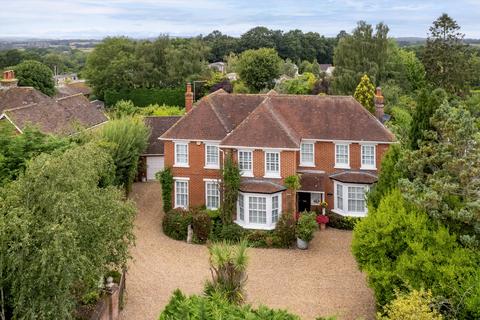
[312, 181]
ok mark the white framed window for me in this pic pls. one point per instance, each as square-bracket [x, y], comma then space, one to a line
[245, 162]
[350, 199]
[181, 154]
[212, 157]
[307, 154]
[181, 192]
[275, 209]
[212, 194]
[339, 196]
[241, 207]
[368, 156]
[342, 155]
[272, 164]
[316, 198]
[258, 211]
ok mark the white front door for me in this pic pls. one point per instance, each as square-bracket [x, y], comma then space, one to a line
[154, 164]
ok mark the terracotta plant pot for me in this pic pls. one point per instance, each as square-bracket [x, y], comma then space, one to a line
[303, 245]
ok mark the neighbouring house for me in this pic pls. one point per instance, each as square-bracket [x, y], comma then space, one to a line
[26, 106]
[219, 66]
[73, 88]
[327, 68]
[152, 160]
[332, 142]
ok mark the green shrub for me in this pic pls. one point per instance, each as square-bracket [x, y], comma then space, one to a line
[416, 305]
[285, 230]
[231, 232]
[258, 238]
[143, 97]
[166, 180]
[175, 223]
[202, 225]
[91, 297]
[340, 222]
[216, 307]
[306, 226]
[115, 275]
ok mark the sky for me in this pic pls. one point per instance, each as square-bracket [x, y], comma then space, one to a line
[148, 18]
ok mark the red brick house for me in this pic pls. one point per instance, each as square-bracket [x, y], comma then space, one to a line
[333, 142]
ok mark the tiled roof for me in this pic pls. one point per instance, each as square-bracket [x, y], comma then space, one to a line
[62, 116]
[312, 181]
[19, 97]
[72, 89]
[158, 125]
[355, 177]
[261, 185]
[277, 120]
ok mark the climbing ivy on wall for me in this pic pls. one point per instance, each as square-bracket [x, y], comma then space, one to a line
[166, 180]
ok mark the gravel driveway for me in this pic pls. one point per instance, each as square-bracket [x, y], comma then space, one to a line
[323, 280]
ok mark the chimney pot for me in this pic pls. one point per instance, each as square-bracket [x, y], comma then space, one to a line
[188, 98]
[8, 80]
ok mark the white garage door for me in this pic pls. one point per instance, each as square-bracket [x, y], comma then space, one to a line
[154, 164]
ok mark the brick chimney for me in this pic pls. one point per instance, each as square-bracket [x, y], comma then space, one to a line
[379, 106]
[8, 80]
[188, 98]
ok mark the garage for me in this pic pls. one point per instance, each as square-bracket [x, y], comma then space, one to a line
[154, 164]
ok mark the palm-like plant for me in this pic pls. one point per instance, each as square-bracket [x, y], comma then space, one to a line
[228, 265]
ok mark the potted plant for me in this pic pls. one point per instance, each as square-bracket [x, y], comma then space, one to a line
[306, 227]
[322, 221]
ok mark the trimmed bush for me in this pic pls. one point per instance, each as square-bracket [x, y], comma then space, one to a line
[306, 226]
[216, 307]
[202, 225]
[285, 230]
[232, 232]
[340, 222]
[144, 97]
[258, 238]
[175, 223]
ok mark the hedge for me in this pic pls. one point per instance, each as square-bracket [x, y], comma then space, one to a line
[144, 97]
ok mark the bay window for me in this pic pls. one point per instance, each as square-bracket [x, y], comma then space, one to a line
[307, 154]
[368, 156]
[272, 164]
[212, 156]
[350, 199]
[181, 192]
[181, 154]
[258, 211]
[245, 162]
[342, 155]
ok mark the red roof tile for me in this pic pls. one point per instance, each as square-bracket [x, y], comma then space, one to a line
[355, 177]
[261, 185]
[158, 126]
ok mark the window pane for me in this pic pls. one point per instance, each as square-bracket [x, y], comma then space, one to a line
[212, 155]
[340, 196]
[341, 153]
[257, 210]
[356, 199]
[181, 153]
[368, 155]
[241, 207]
[213, 195]
[274, 209]
[245, 160]
[306, 154]
[272, 162]
[315, 199]
[181, 193]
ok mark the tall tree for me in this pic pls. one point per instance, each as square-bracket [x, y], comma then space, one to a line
[445, 56]
[258, 68]
[365, 93]
[35, 74]
[365, 51]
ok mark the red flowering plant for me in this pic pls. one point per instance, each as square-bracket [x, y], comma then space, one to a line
[321, 219]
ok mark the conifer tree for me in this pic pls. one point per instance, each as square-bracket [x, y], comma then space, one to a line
[365, 93]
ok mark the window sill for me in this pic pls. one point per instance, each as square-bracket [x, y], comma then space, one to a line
[181, 166]
[212, 167]
[350, 214]
[272, 176]
[341, 166]
[307, 165]
[368, 168]
[180, 207]
[255, 226]
[247, 174]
